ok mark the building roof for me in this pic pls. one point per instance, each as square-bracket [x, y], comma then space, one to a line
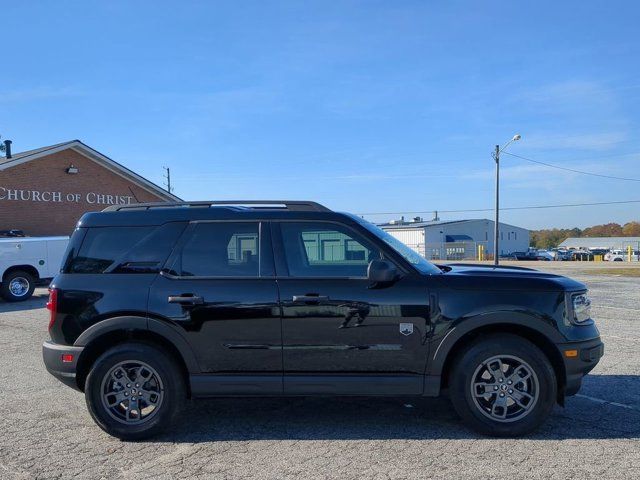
[423, 224]
[76, 145]
[600, 242]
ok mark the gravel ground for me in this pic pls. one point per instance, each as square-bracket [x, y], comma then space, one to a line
[46, 432]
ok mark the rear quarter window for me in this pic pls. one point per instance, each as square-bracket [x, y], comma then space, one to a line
[123, 249]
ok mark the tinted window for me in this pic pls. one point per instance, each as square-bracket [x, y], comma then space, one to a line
[149, 254]
[102, 246]
[226, 249]
[325, 250]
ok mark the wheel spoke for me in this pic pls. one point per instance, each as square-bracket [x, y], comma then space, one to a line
[150, 397]
[117, 399]
[122, 379]
[516, 378]
[482, 389]
[496, 369]
[499, 407]
[522, 399]
[144, 373]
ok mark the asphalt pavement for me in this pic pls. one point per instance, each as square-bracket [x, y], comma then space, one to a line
[46, 431]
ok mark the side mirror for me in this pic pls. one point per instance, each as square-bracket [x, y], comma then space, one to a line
[381, 271]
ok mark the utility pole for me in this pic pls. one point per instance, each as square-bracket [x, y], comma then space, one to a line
[167, 177]
[496, 237]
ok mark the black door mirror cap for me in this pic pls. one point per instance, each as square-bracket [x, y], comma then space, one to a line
[381, 272]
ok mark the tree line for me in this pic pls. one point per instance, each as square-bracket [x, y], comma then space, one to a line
[550, 238]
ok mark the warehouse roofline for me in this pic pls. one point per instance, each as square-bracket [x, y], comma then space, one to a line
[598, 242]
[410, 224]
[83, 149]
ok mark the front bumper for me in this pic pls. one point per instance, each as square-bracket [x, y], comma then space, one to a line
[65, 371]
[577, 365]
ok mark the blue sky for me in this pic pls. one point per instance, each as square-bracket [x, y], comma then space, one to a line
[366, 106]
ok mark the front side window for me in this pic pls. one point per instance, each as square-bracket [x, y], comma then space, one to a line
[224, 249]
[314, 249]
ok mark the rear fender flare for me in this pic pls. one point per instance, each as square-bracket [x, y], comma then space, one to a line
[129, 323]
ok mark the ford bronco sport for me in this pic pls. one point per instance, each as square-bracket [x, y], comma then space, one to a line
[156, 303]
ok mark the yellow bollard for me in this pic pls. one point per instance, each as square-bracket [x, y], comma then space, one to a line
[628, 253]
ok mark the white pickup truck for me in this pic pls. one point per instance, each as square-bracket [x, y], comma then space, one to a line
[25, 261]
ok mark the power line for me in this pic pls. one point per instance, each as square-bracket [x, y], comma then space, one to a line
[572, 169]
[530, 207]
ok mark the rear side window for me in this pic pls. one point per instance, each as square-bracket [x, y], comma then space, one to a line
[124, 249]
[225, 249]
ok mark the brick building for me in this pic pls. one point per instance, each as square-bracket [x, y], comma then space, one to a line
[46, 190]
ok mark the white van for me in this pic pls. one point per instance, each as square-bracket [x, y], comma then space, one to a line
[25, 261]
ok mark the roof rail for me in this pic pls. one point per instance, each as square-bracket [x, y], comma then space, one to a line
[293, 205]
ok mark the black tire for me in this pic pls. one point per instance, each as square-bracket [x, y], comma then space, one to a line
[170, 384]
[17, 278]
[478, 411]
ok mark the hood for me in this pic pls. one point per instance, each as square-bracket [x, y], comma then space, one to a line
[489, 277]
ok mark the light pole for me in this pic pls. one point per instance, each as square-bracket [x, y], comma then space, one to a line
[496, 238]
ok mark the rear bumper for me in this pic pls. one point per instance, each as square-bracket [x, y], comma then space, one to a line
[588, 355]
[65, 371]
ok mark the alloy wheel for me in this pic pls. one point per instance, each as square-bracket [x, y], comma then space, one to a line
[132, 392]
[505, 388]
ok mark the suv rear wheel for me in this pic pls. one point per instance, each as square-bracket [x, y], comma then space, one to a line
[503, 385]
[134, 390]
[17, 286]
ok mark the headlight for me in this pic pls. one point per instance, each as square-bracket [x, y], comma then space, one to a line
[581, 307]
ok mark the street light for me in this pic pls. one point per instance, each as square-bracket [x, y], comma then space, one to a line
[496, 156]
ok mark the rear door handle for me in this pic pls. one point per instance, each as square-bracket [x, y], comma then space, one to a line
[310, 298]
[186, 299]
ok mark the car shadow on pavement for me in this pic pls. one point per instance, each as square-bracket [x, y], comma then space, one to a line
[350, 418]
[38, 300]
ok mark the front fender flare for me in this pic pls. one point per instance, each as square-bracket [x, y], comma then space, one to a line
[443, 347]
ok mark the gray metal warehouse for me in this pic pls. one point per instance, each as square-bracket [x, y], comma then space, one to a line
[456, 239]
[609, 243]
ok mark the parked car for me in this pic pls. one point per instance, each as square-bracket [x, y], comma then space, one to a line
[155, 304]
[544, 255]
[24, 262]
[582, 255]
[622, 256]
[531, 255]
[11, 233]
[563, 255]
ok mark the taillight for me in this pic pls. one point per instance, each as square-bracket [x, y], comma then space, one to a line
[52, 306]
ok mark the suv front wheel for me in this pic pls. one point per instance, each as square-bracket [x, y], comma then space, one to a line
[503, 385]
[133, 391]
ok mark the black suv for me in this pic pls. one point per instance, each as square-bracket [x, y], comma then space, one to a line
[156, 303]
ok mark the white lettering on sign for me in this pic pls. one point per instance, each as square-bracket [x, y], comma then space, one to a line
[17, 195]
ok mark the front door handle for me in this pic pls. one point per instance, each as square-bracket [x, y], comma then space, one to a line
[310, 298]
[186, 299]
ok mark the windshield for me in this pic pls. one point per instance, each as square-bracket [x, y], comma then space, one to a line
[409, 255]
